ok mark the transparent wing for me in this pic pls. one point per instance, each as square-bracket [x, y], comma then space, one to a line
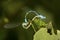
[11, 25]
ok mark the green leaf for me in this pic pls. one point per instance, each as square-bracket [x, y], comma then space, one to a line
[43, 35]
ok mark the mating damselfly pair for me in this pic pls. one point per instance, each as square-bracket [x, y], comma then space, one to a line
[26, 24]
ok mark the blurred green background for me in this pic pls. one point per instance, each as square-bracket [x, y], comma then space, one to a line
[13, 11]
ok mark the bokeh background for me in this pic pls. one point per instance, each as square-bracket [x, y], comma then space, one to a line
[13, 11]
